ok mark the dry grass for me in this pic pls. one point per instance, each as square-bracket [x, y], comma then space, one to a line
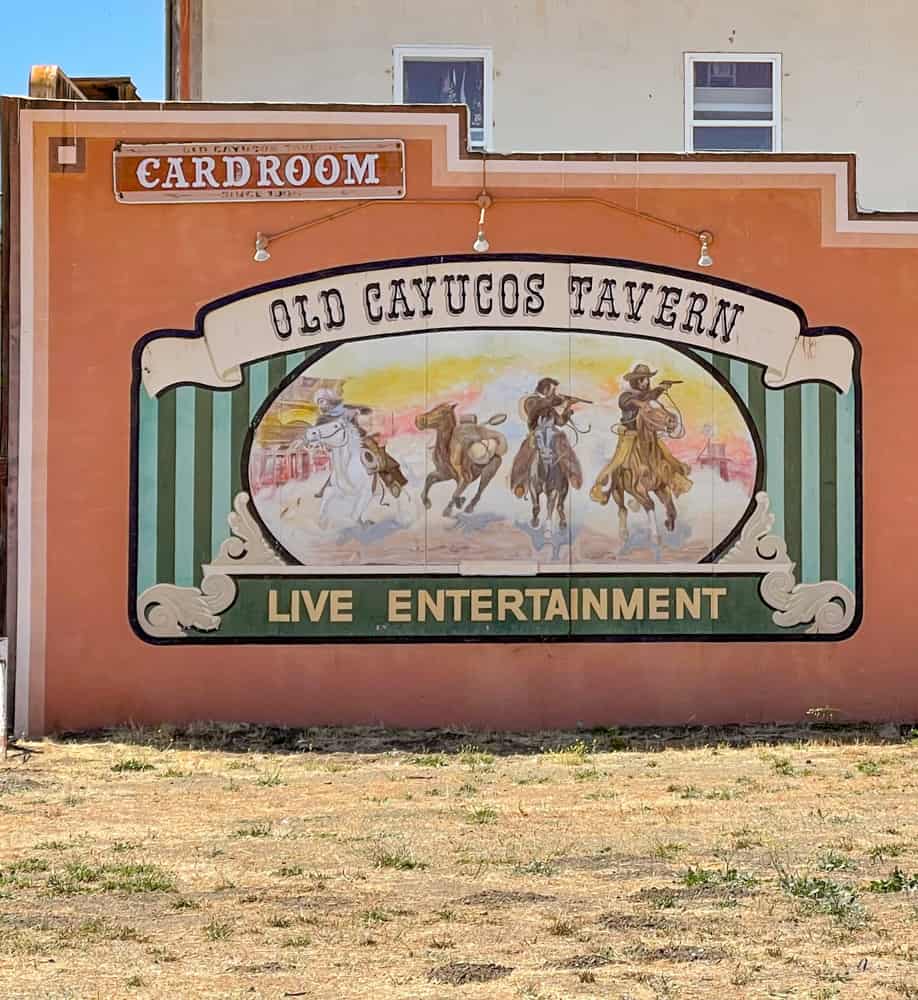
[224, 862]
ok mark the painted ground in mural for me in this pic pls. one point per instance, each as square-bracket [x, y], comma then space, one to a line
[596, 428]
[341, 864]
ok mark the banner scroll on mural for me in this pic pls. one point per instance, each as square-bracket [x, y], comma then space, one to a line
[499, 293]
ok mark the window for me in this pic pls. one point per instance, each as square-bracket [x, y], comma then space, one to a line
[732, 102]
[435, 74]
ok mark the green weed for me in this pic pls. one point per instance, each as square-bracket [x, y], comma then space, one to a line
[132, 764]
[833, 861]
[482, 815]
[429, 760]
[667, 851]
[253, 830]
[397, 856]
[897, 881]
[218, 930]
[270, 779]
[475, 758]
[289, 871]
[539, 866]
[685, 791]
[78, 877]
[825, 896]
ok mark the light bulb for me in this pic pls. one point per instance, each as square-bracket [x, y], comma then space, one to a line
[481, 244]
[261, 249]
[705, 259]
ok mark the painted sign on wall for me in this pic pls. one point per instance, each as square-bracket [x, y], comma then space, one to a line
[246, 171]
[517, 446]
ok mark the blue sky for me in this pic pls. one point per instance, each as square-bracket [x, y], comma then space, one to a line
[99, 38]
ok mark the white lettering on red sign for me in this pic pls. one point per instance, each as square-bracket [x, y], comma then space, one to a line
[233, 171]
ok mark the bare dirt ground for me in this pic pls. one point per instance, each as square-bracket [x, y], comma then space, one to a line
[234, 862]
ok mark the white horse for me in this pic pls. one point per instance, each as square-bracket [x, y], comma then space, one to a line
[350, 481]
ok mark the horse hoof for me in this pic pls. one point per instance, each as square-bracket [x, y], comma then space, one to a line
[670, 524]
[458, 502]
[427, 503]
[535, 521]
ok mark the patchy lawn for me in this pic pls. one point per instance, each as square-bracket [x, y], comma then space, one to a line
[232, 862]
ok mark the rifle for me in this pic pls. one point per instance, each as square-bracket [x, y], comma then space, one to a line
[574, 399]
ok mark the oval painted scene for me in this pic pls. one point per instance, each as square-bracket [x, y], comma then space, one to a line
[502, 451]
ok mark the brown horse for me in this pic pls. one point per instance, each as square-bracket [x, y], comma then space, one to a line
[463, 451]
[643, 465]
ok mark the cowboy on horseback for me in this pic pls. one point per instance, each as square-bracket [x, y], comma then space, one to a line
[377, 461]
[545, 408]
[332, 407]
[642, 463]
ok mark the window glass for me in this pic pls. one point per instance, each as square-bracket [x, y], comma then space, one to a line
[734, 139]
[739, 92]
[446, 81]
[733, 74]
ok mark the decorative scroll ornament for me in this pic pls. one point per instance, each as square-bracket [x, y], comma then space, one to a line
[167, 611]
[827, 607]
[248, 546]
[756, 543]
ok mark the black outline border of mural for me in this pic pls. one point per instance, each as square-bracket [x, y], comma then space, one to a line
[722, 547]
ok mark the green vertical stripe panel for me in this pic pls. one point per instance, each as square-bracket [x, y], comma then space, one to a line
[165, 488]
[774, 454]
[294, 360]
[258, 386]
[811, 540]
[184, 485]
[739, 377]
[203, 482]
[148, 415]
[828, 528]
[845, 455]
[722, 364]
[239, 424]
[221, 469]
[705, 356]
[277, 369]
[793, 477]
[756, 403]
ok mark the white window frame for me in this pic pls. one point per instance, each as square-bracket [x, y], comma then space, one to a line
[447, 53]
[690, 123]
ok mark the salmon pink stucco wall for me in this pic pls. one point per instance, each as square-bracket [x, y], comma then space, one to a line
[98, 275]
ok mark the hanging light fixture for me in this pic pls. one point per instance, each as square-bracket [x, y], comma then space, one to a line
[481, 244]
[704, 258]
[261, 248]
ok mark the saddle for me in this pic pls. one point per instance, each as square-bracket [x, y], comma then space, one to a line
[379, 462]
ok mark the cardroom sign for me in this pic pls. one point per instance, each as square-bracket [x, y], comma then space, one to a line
[247, 171]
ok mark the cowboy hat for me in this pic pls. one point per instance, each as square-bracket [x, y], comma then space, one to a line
[639, 371]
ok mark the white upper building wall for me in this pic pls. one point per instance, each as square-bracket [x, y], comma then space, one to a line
[598, 75]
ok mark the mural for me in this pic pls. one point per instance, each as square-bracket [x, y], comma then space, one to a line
[514, 448]
[523, 447]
